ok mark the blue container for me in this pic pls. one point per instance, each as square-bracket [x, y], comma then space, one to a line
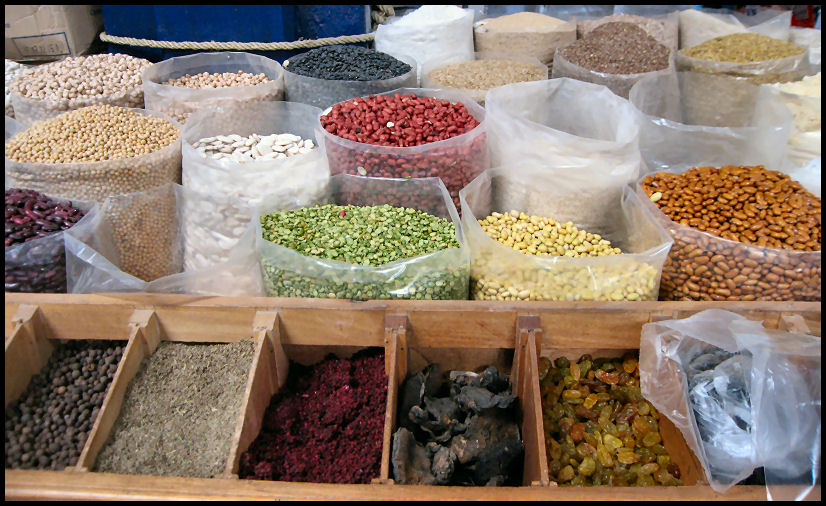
[226, 23]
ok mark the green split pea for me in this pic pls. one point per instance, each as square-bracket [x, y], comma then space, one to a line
[366, 236]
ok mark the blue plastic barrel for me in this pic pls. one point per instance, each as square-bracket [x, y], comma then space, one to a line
[225, 23]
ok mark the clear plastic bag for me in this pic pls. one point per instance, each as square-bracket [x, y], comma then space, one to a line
[29, 110]
[539, 43]
[703, 266]
[697, 27]
[439, 275]
[498, 272]
[245, 182]
[431, 30]
[324, 93]
[581, 132]
[790, 68]
[456, 160]
[179, 101]
[620, 84]
[663, 26]
[39, 266]
[142, 233]
[804, 142]
[700, 25]
[807, 174]
[477, 94]
[98, 180]
[743, 396]
[701, 119]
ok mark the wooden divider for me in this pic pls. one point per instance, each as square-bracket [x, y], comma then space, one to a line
[396, 328]
[268, 373]
[27, 351]
[529, 342]
[144, 338]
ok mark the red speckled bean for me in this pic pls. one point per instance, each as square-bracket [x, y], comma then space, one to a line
[31, 215]
[405, 121]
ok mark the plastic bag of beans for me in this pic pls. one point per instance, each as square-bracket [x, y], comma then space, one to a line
[179, 101]
[129, 90]
[98, 180]
[39, 265]
[620, 84]
[769, 70]
[729, 385]
[704, 266]
[442, 274]
[580, 133]
[701, 119]
[326, 92]
[501, 272]
[100, 260]
[456, 160]
[503, 68]
[246, 181]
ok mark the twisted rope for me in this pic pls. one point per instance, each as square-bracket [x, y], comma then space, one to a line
[238, 46]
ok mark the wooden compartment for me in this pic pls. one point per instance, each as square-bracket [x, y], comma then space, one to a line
[146, 335]
[27, 352]
[514, 333]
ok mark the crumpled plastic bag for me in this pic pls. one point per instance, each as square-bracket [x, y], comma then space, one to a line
[701, 119]
[102, 253]
[743, 396]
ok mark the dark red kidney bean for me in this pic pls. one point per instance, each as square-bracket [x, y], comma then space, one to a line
[39, 267]
[413, 121]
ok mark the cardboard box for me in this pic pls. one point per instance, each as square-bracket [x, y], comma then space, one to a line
[50, 32]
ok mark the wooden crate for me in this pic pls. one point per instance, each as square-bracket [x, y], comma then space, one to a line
[455, 333]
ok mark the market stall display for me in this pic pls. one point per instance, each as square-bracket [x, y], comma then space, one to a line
[488, 333]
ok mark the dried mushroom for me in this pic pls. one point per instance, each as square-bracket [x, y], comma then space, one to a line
[457, 431]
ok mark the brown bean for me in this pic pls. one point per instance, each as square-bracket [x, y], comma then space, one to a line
[775, 220]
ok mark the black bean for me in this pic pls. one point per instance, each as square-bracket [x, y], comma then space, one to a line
[51, 423]
[347, 63]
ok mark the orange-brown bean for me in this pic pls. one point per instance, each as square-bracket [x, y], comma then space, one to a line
[774, 219]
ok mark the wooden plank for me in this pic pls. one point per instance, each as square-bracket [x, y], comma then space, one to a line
[395, 356]
[26, 352]
[42, 485]
[268, 373]
[533, 431]
[142, 338]
[526, 326]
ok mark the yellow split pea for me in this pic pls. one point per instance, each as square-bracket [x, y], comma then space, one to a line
[542, 236]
